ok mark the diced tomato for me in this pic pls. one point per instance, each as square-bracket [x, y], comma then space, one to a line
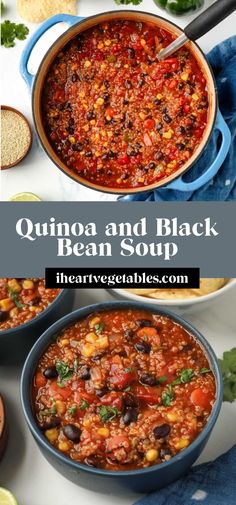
[40, 380]
[118, 441]
[147, 394]
[83, 395]
[110, 112]
[58, 392]
[147, 331]
[201, 398]
[172, 84]
[149, 124]
[124, 160]
[147, 140]
[122, 378]
[186, 108]
[112, 399]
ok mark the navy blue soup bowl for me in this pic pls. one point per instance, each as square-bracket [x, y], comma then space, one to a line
[15, 343]
[141, 480]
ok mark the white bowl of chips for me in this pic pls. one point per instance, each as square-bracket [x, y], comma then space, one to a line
[181, 300]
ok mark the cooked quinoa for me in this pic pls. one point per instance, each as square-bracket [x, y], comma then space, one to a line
[15, 137]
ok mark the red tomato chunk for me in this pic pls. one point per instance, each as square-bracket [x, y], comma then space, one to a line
[117, 116]
[123, 389]
[22, 300]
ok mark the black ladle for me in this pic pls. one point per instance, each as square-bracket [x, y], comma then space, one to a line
[200, 25]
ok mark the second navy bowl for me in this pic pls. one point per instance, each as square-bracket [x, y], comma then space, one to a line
[141, 480]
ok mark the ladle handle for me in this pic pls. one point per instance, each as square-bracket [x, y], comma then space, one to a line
[209, 18]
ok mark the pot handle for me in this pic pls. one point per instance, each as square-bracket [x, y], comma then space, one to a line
[59, 18]
[180, 185]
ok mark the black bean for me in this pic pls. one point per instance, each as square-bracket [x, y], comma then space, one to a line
[72, 432]
[130, 400]
[3, 315]
[35, 301]
[106, 98]
[130, 416]
[167, 118]
[84, 373]
[129, 124]
[60, 106]
[180, 146]
[71, 129]
[74, 77]
[98, 356]
[101, 392]
[50, 372]
[141, 83]
[141, 323]
[128, 333]
[89, 154]
[165, 451]
[158, 156]
[131, 52]
[109, 172]
[54, 423]
[192, 117]
[159, 126]
[68, 106]
[106, 83]
[148, 379]
[111, 154]
[77, 146]
[128, 84]
[167, 75]
[156, 101]
[161, 431]
[125, 102]
[180, 85]
[90, 115]
[187, 347]
[93, 460]
[181, 130]
[125, 176]
[151, 165]
[143, 347]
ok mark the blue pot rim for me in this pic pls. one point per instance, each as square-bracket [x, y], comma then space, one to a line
[35, 319]
[44, 341]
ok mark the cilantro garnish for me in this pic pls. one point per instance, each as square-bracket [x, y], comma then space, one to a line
[83, 404]
[167, 396]
[15, 298]
[99, 328]
[107, 413]
[72, 410]
[64, 372]
[228, 369]
[185, 376]
[127, 2]
[11, 31]
[204, 370]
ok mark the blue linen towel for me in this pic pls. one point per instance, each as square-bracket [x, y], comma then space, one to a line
[223, 61]
[211, 483]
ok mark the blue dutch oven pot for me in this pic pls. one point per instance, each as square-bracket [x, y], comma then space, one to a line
[78, 25]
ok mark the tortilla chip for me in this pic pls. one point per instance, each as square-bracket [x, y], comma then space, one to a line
[36, 11]
[207, 286]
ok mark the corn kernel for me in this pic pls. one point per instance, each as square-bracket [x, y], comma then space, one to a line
[86, 128]
[126, 66]
[14, 285]
[103, 66]
[74, 66]
[94, 321]
[184, 76]
[102, 342]
[107, 42]
[159, 96]
[195, 96]
[65, 341]
[87, 64]
[97, 154]
[172, 417]
[72, 140]
[182, 443]
[91, 337]
[63, 446]
[6, 304]
[103, 432]
[171, 164]
[92, 122]
[150, 105]
[151, 455]
[52, 434]
[82, 94]
[110, 135]
[100, 101]
[141, 179]
[119, 181]
[142, 115]
[14, 312]
[100, 45]
[86, 423]
[60, 406]
[143, 42]
[28, 284]
[88, 350]
[168, 134]
[33, 308]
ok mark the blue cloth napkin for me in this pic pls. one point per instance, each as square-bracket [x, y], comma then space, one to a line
[211, 483]
[223, 61]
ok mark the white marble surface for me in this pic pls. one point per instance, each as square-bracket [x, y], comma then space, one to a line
[34, 482]
[37, 173]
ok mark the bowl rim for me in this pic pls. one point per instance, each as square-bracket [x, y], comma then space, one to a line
[40, 316]
[41, 345]
[104, 189]
[179, 301]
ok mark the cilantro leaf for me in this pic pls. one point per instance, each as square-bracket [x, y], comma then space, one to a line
[228, 369]
[204, 370]
[107, 413]
[64, 372]
[185, 376]
[72, 410]
[83, 405]
[167, 396]
[161, 379]
[11, 31]
[15, 298]
[99, 328]
[127, 2]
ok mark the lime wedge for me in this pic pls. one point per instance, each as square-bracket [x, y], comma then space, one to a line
[6, 497]
[24, 197]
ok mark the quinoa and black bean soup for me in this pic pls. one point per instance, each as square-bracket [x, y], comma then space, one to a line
[22, 300]
[123, 389]
[116, 115]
